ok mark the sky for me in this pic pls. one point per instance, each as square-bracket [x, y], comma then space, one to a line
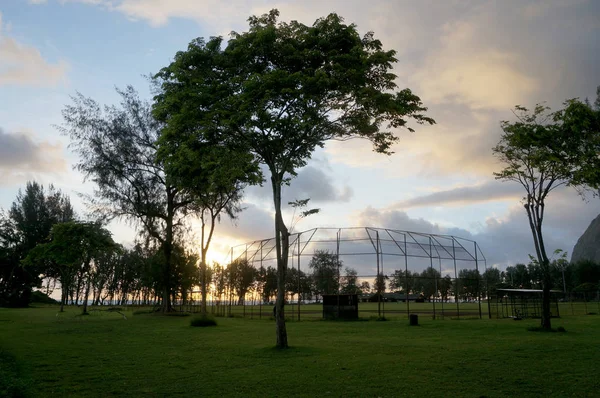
[470, 62]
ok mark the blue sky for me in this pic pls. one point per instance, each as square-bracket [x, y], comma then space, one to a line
[470, 61]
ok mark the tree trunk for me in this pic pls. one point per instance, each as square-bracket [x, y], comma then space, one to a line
[87, 293]
[63, 298]
[78, 289]
[204, 284]
[535, 223]
[168, 251]
[282, 247]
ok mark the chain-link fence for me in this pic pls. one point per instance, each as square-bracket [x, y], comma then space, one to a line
[393, 272]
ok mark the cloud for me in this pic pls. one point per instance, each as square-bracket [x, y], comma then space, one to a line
[253, 223]
[311, 182]
[470, 62]
[505, 240]
[466, 71]
[21, 64]
[20, 154]
[465, 195]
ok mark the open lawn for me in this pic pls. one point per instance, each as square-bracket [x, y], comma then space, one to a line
[103, 354]
[397, 310]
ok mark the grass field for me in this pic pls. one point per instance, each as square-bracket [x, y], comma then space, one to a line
[45, 354]
[397, 310]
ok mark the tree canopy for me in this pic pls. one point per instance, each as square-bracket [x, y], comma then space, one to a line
[26, 224]
[118, 152]
[542, 151]
[280, 90]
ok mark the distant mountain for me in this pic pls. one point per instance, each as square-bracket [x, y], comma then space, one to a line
[588, 245]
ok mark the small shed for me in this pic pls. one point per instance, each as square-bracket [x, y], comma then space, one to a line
[524, 303]
[340, 306]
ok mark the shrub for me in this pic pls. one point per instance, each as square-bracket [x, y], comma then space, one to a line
[41, 298]
[203, 321]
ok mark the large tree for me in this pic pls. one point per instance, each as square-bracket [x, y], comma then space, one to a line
[280, 90]
[216, 176]
[325, 268]
[241, 275]
[543, 151]
[118, 152]
[349, 283]
[74, 246]
[27, 223]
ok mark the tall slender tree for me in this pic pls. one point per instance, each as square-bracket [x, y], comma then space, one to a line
[280, 90]
[543, 151]
[118, 152]
[215, 175]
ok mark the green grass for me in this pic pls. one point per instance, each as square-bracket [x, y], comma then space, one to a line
[397, 310]
[106, 355]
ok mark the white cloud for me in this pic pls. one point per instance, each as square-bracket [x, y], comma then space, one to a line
[24, 65]
[466, 71]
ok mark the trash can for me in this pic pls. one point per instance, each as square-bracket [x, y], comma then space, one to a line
[414, 320]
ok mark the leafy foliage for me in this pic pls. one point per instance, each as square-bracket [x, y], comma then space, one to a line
[325, 268]
[26, 224]
[280, 90]
[118, 151]
[543, 151]
[74, 247]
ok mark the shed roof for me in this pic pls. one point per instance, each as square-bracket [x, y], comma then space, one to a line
[526, 291]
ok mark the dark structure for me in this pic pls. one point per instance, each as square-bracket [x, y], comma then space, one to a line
[390, 297]
[340, 306]
[524, 303]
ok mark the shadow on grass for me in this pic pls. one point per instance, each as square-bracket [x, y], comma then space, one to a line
[559, 329]
[12, 382]
[290, 352]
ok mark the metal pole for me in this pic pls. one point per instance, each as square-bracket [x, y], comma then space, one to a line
[230, 294]
[299, 287]
[488, 293]
[406, 279]
[382, 276]
[455, 279]
[478, 280]
[337, 256]
[441, 297]
[260, 298]
[377, 278]
[431, 266]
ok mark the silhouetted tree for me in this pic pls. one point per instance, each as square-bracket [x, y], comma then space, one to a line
[325, 268]
[428, 281]
[492, 278]
[118, 152]
[26, 224]
[241, 277]
[350, 282]
[279, 91]
[542, 151]
[74, 246]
